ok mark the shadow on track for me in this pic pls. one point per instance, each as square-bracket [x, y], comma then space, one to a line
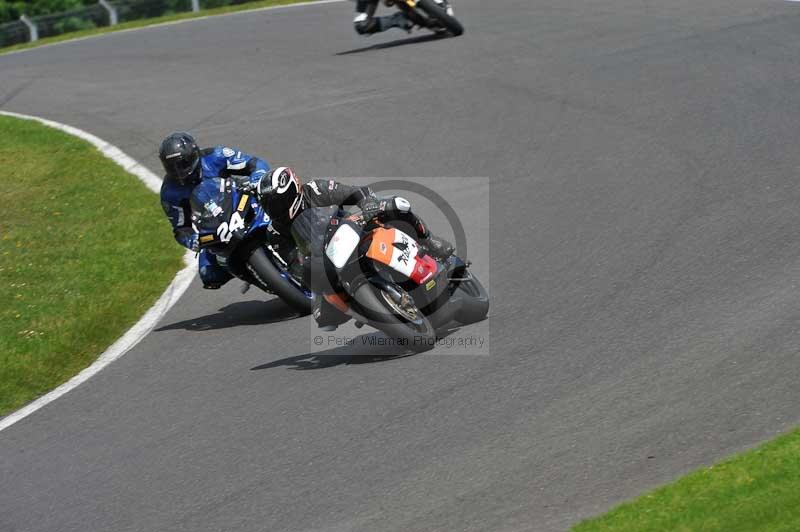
[241, 313]
[363, 350]
[400, 42]
[359, 352]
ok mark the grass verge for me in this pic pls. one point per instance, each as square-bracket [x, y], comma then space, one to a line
[84, 252]
[150, 22]
[756, 490]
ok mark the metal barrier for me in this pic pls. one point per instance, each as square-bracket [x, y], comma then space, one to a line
[76, 20]
[15, 33]
[128, 10]
[105, 13]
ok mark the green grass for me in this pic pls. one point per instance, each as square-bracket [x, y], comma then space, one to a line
[756, 490]
[84, 252]
[150, 22]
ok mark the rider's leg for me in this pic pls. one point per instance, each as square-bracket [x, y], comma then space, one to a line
[327, 316]
[399, 209]
[286, 248]
[367, 23]
[213, 274]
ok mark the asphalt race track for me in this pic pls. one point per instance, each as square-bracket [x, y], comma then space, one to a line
[643, 236]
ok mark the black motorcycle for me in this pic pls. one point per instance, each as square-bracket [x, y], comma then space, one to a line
[233, 225]
[380, 275]
[431, 14]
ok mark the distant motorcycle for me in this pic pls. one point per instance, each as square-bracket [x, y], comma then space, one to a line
[436, 15]
[379, 275]
[232, 224]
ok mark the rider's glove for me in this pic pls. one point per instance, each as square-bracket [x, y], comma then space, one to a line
[254, 181]
[193, 243]
[370, 208]
[245, 186]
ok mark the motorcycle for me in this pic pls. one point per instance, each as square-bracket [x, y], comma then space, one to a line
[232, 224]
[379, 275]
[436, 15]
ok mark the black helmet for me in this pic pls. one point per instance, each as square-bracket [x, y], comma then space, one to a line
[282, 195]
[181, 157]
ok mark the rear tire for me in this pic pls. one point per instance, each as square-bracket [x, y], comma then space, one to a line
[260, 267]
[474, 300]
[432, 9]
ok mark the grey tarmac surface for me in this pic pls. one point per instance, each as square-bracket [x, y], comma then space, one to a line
[643, 234]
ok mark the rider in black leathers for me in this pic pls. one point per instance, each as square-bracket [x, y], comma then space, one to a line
[284, 196]
[366, 22]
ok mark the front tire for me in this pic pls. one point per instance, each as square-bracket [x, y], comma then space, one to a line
[435, 12]
[418, 335]
[262, 269]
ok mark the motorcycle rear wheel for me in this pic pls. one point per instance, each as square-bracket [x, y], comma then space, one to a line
[474, 300]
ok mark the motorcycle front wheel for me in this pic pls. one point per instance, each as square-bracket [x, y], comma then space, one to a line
[432, 9]
[404, 323]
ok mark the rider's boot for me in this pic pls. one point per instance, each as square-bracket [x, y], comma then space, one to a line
[327, 316]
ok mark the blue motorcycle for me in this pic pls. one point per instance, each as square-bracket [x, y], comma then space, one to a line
[233, 225]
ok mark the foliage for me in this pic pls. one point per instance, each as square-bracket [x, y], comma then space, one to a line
[130, 20]
[10, 11]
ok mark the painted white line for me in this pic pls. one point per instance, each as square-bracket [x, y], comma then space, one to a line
[174, 22]
[135, 334]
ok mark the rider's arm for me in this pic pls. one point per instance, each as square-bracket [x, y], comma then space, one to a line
[183, 232]
[256, 168]
[394, 208]
[324, 192]
[179, 215]
[229, 161]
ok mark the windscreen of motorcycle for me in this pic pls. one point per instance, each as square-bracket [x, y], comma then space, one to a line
[211, 205]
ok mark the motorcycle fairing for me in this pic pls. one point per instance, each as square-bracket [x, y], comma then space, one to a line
[342, 245]
[400, 252]
[216, 220]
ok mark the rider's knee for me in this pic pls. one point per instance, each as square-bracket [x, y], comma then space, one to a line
[400, 204]
[214, 276]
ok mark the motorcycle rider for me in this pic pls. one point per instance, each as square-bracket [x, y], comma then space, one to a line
[367, 23]
[186, 165]
[284, 196]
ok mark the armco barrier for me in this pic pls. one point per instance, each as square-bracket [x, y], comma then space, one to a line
[104, 13]
[15, 33]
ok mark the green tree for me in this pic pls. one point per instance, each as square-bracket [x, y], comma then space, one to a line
[9, 11]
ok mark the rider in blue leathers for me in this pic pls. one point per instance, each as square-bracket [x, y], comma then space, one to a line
[185, 165]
